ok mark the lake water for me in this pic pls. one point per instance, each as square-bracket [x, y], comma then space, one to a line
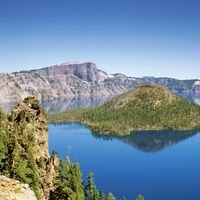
[161, 165]
[63, 104]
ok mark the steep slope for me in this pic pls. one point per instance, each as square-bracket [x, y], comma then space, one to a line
[143, 108]
[85, 71]
[69, 79]
[78, 79]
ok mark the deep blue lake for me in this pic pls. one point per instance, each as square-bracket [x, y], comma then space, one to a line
[161, 165]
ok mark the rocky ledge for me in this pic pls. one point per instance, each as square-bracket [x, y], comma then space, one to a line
[26, 126]
[13, 190]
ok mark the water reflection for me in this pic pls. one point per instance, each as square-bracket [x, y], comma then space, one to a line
[127, 170]
[151, 141]
[192, 97]
[63, 104]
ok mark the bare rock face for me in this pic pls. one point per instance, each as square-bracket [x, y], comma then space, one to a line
[13, 190]
[79, 79]
[85, 71]
[44, 84]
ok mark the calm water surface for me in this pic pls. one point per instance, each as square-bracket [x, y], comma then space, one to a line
[63, 104]
[161, 165]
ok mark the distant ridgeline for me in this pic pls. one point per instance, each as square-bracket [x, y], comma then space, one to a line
[78, 80]
[24, 157]
[146, 107]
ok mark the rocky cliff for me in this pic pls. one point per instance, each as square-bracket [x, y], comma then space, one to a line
[25, 130]
[85, 71]
[30, 112]
[69, 79]
[78, 79]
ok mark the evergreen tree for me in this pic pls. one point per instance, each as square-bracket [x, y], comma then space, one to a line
[91, 189]
[35, 183]
[140, 197]
[22, 172]
[111, 197]
[4, 150]
[71, 183]
[101, 196]
[78, 182]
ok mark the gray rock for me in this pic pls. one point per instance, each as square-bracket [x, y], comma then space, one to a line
[11, 189]
[86, 71]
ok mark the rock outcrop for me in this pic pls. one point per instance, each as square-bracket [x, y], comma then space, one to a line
[29, 111]
[13, 190]
[29, 129]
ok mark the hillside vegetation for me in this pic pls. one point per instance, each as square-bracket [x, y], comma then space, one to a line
[143, 108]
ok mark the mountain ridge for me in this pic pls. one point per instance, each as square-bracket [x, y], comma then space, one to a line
[78, 79]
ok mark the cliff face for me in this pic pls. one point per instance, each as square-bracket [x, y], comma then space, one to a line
[85, 71]
[28, 159]
[13, 190]
[29, 111]
[65, 80]
[79, 79]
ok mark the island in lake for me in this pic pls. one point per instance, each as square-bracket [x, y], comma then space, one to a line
[148, 107]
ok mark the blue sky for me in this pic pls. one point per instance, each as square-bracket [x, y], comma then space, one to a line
[135, 37]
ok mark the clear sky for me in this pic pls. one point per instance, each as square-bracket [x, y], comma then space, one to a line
[135, 37]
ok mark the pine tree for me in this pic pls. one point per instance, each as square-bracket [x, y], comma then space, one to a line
[22, 172]
[91, 189]
[140, 197]
[35, 183]
[78, 182]
[71, 183]
[101, 196]
[4, 143]
[111, 197]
